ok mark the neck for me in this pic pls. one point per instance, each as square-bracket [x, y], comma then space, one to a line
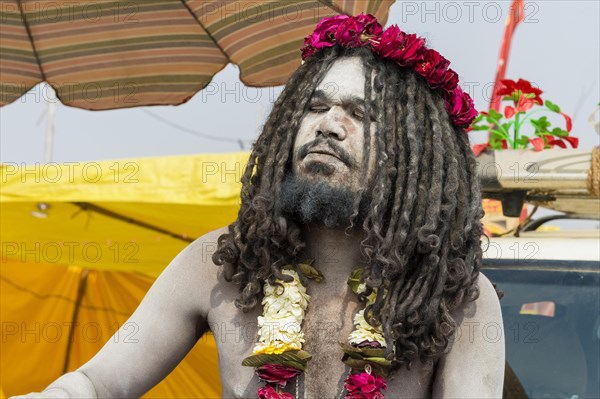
[336, 252]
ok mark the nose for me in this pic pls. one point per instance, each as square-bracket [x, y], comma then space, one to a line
[332, 124]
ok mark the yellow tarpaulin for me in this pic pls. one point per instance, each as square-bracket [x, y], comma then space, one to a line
[82, 242]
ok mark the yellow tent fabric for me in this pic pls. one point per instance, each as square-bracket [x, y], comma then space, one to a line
[84, 241]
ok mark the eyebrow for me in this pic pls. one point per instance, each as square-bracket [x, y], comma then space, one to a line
[321, 95]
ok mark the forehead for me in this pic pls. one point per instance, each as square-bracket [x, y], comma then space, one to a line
[345, 78]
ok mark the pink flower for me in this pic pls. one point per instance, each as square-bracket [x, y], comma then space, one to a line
[269, 392]
[307, 50]
[348, 33]
[353, 31]
[432, 66]
[326, 29]
[404, 49]
[364, 386]
[370, 25]
[460, 107]
[317, 42]
[323, 35]
[276, 373]
[450, 80]
[342, 29]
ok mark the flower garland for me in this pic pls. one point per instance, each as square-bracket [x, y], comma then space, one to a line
[278, 356]
[406, 50]
[365, 351]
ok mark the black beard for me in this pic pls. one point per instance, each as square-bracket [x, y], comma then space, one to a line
[318, 202]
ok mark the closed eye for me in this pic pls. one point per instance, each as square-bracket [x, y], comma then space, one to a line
[359, 113]
[318, 108]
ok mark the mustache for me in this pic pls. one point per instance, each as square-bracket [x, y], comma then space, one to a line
[335, 148]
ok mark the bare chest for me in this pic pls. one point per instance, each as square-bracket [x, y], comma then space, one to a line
[328, 321]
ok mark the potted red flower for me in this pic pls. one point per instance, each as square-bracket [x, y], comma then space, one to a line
[507, 129]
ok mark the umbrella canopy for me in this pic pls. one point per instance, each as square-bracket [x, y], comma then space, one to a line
[118, 54]
[82, 244]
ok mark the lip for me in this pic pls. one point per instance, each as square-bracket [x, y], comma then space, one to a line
[324, 152]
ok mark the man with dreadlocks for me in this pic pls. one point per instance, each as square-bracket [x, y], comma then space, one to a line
[362, 181]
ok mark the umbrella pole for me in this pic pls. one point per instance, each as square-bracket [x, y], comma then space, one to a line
[51, 117]
[80, 293]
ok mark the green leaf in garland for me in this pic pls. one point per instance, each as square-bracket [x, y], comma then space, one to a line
[354, 280]
[361, 353]
[355, 355]
[551, 106]
[297, 359]
[310, 272]
[382, 361]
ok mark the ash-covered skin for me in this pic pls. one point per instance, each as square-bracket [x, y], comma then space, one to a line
[420, 232]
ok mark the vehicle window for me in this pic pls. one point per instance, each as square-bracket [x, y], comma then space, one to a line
[551, 315]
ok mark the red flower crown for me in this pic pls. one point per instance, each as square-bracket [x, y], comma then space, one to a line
[406, 50]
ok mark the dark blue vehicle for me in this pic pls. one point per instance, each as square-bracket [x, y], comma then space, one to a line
[551, 312]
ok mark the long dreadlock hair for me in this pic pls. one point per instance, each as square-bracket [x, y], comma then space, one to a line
[422, 226]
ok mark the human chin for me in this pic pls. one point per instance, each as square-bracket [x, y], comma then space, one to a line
[316, 200]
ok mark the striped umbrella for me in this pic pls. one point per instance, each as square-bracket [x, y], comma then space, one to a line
[107, 54]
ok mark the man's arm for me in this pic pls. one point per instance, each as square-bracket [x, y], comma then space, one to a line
[474, 366]
[168, 322]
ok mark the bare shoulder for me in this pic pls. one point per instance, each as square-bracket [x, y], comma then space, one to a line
[193, 269]
[487, 292]
[487, 302]
[479, 320]
[203, 247]
[473, 367]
